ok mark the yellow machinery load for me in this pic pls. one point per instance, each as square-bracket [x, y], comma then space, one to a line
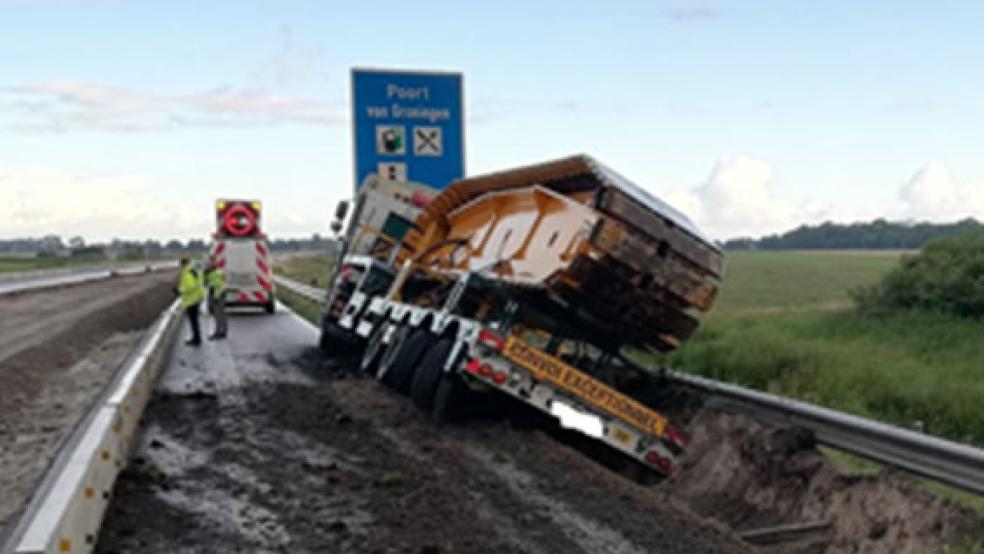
[573, 234]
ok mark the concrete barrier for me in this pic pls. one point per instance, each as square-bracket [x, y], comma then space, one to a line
[67, 509]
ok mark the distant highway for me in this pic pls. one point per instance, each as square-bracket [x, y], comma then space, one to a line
[11, 283]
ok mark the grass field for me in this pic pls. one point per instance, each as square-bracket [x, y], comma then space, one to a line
[784, 323]
[776, 283]
[310, 270]
[303, 306]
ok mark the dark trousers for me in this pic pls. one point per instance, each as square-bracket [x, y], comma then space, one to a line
[192, 313]
[219, 314]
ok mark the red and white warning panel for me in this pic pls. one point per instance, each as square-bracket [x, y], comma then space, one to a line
[241, 249]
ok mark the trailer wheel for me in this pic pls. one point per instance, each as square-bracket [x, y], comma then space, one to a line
[374, 350]
[401, 358]
[429, 374]
[451, 399]
[270, 306]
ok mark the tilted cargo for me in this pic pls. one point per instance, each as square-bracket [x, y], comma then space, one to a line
[592, 243]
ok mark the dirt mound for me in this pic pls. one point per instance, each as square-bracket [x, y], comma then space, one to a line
[749, 476]
[59, 348]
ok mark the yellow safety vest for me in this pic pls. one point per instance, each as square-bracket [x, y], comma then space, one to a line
[215, 280]
[190, 286]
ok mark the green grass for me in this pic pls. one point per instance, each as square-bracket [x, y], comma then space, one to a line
[305, 308]
[785, 323]
[311, 270]
[773, 283]
[900, 369]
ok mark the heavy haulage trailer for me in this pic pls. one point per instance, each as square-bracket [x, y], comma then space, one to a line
[533, 282]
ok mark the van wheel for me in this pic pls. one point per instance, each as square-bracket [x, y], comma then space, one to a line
[374, 350]
[429, 374]
[398, 364]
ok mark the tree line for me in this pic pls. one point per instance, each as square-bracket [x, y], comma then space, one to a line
[54, 245]
[879, 234]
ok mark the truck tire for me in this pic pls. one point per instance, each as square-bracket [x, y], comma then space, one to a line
[402, 356]
[334, 340]
[429, 374]
[325, 341]
[369, 364]
[451, 399]
[270, 306]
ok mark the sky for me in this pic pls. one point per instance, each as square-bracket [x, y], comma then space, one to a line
[128, 119]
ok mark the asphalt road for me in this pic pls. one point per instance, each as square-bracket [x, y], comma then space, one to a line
[252, 445]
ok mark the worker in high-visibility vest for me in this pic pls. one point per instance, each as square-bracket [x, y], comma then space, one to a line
[215, 280]
[191, 287]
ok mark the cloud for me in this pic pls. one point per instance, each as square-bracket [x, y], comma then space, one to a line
[63, 106]
[40, 201]
[691, 13]
[101, 205]
[737, 199]
[292, 62]
[931, 194]
[481, 111]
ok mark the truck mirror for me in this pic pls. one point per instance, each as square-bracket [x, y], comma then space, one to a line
[336, 226]
[341, 210]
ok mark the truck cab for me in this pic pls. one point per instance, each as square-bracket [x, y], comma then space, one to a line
[384, 212]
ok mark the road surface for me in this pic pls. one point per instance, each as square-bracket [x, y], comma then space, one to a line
[250, 445]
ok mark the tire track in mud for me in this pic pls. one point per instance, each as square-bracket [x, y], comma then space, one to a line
[274, 461]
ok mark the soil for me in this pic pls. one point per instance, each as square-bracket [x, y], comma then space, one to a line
[749, 476]
[340, 463]
[59, 348]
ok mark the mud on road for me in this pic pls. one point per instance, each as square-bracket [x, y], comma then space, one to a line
[268, 451]
[59, 348]
[278, 464]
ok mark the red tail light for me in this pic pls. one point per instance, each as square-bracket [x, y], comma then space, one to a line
[653, 458]
[499, 377]
[676, 437]
[472, 366]
[491, 340]
[485, 370]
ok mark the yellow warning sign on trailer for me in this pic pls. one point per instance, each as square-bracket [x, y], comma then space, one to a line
[547, 368]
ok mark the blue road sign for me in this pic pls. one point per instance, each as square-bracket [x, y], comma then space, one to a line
[408, 126]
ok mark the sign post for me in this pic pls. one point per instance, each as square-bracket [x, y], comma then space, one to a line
[408, 126]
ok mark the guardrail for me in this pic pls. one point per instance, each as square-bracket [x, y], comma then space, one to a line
[32, 280]
[311, 293]
[951, 462]
[66, 511]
